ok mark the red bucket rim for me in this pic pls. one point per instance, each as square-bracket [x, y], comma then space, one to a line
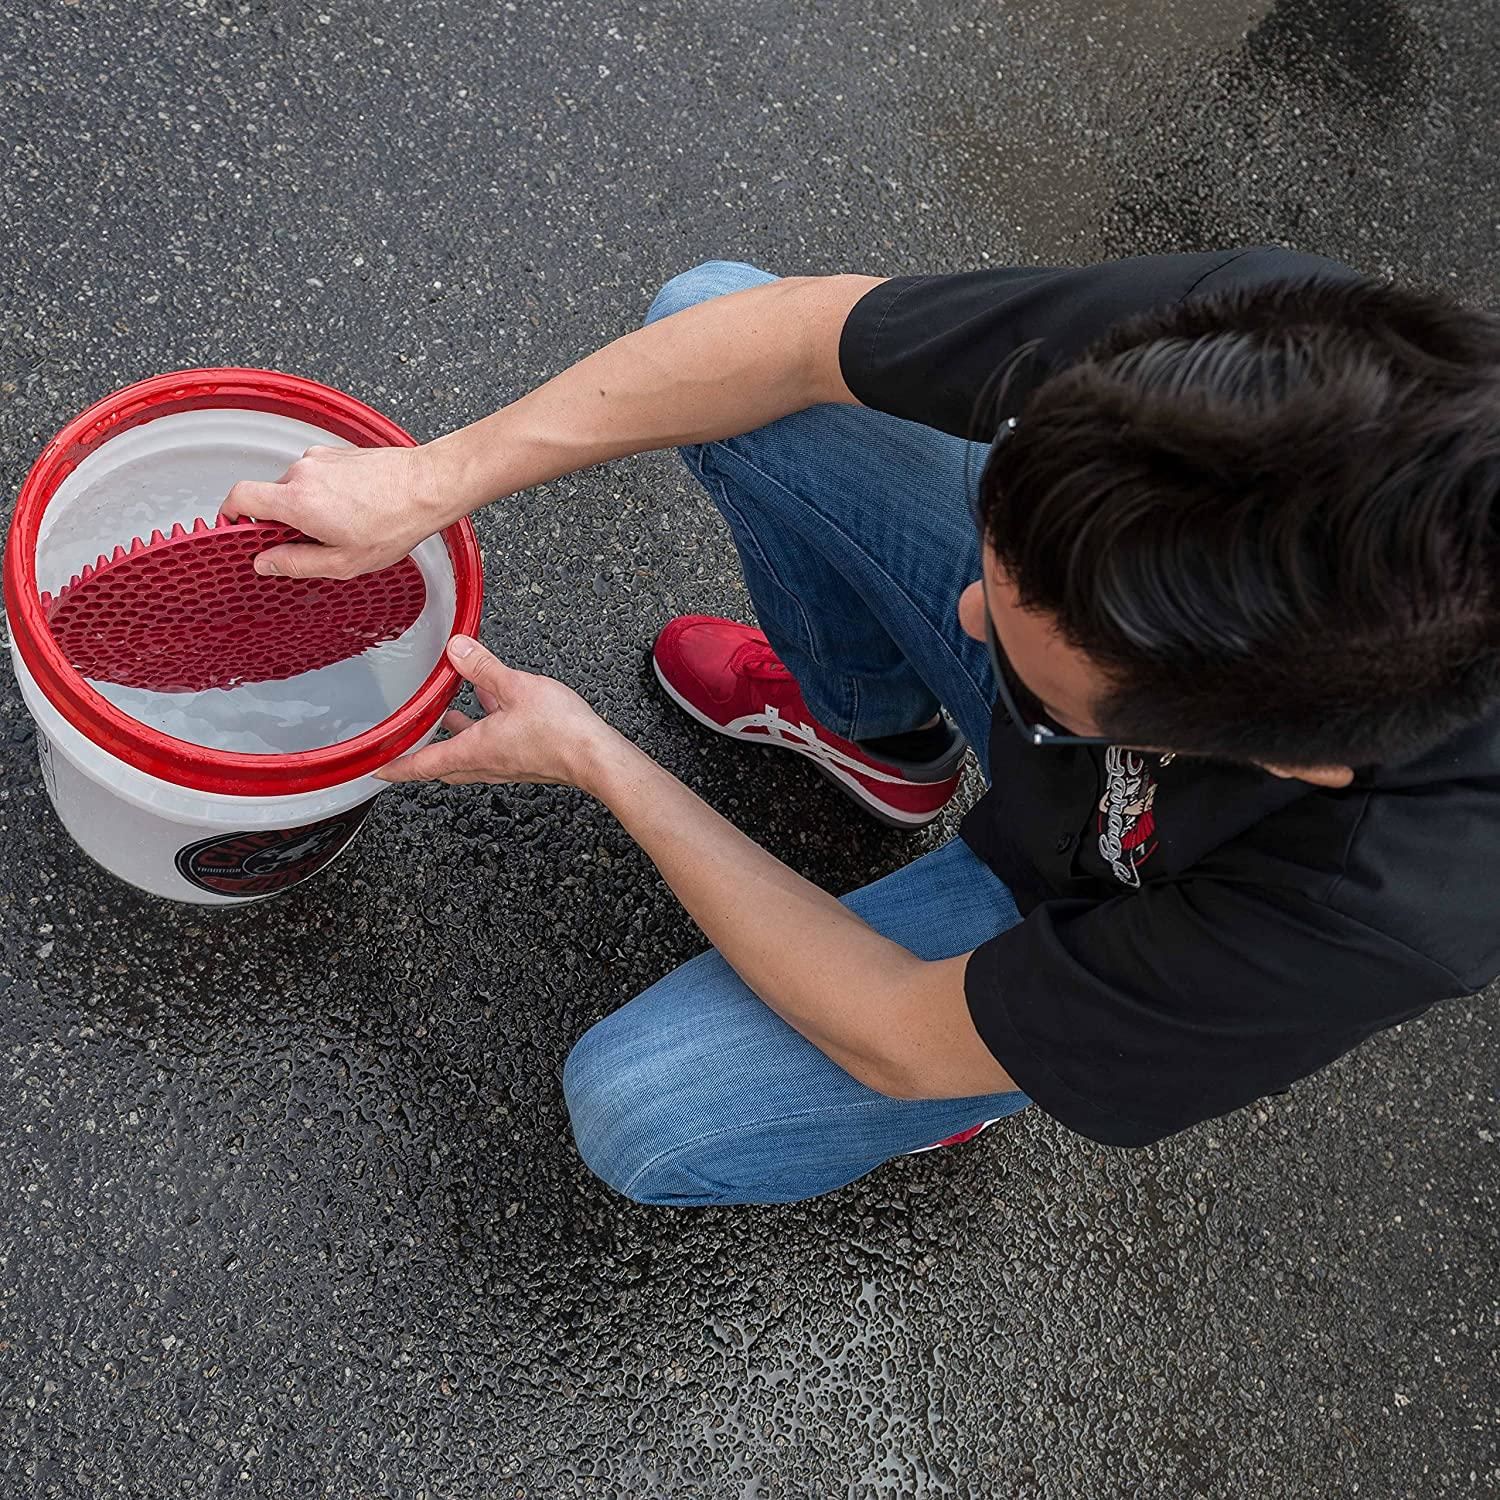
[227, 773]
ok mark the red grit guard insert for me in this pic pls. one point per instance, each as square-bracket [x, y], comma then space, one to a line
[185, 612]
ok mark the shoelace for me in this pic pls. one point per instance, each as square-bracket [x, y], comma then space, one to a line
[757, 659]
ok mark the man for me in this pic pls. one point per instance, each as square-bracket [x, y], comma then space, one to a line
[1236, 597]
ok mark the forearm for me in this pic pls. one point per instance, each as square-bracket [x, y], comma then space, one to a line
[718, 368]
[828, 974]
[896, 1022]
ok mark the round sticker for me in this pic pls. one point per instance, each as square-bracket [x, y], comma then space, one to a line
[268, 859]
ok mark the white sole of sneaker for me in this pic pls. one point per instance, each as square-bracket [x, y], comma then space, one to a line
[844, 780]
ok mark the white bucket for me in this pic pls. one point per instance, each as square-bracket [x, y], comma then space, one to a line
[192, 821]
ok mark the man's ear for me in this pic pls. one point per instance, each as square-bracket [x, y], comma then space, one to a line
[994, 574]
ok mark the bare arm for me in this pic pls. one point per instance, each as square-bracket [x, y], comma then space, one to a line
[718, 368]
[713, 370]
[896, 1022]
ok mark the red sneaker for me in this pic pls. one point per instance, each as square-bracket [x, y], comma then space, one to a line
[959, 1139]
[728, 678]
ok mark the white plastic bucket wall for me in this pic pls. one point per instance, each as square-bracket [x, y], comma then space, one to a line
[172, 841]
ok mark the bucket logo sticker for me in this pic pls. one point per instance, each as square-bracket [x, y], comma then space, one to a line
[268, 859]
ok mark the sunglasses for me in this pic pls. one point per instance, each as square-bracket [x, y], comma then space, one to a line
[1028, 727]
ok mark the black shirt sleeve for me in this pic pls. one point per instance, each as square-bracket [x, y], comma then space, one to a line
[1134, 1018]
[932, 348]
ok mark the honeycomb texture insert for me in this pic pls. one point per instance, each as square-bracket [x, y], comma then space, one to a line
[183, 612]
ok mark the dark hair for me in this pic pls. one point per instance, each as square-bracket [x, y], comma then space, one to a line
[1272, 518]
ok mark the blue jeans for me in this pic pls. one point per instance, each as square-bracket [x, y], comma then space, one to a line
[854, 533]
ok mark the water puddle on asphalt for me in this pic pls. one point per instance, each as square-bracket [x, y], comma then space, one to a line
[1123, 29]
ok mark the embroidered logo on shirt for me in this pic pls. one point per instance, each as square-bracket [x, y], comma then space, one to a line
[1127, 820]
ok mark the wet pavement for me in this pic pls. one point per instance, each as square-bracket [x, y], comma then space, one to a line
[291, 1208]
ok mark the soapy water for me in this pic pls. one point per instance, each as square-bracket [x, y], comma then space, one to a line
[179, 467]
[306, 712]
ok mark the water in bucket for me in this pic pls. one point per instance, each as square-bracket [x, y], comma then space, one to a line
[179, 467]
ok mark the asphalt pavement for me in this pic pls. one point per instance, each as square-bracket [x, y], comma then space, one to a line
[290, 1207]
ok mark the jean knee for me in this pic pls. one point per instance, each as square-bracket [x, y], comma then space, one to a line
[714, 278]
[586, 1094]
[609, 1102]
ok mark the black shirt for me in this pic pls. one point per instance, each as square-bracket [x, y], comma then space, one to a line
[1195, 934]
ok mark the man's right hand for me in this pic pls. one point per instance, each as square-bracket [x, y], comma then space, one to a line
[365, 508]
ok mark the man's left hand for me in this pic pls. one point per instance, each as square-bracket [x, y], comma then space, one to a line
[534, 729]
